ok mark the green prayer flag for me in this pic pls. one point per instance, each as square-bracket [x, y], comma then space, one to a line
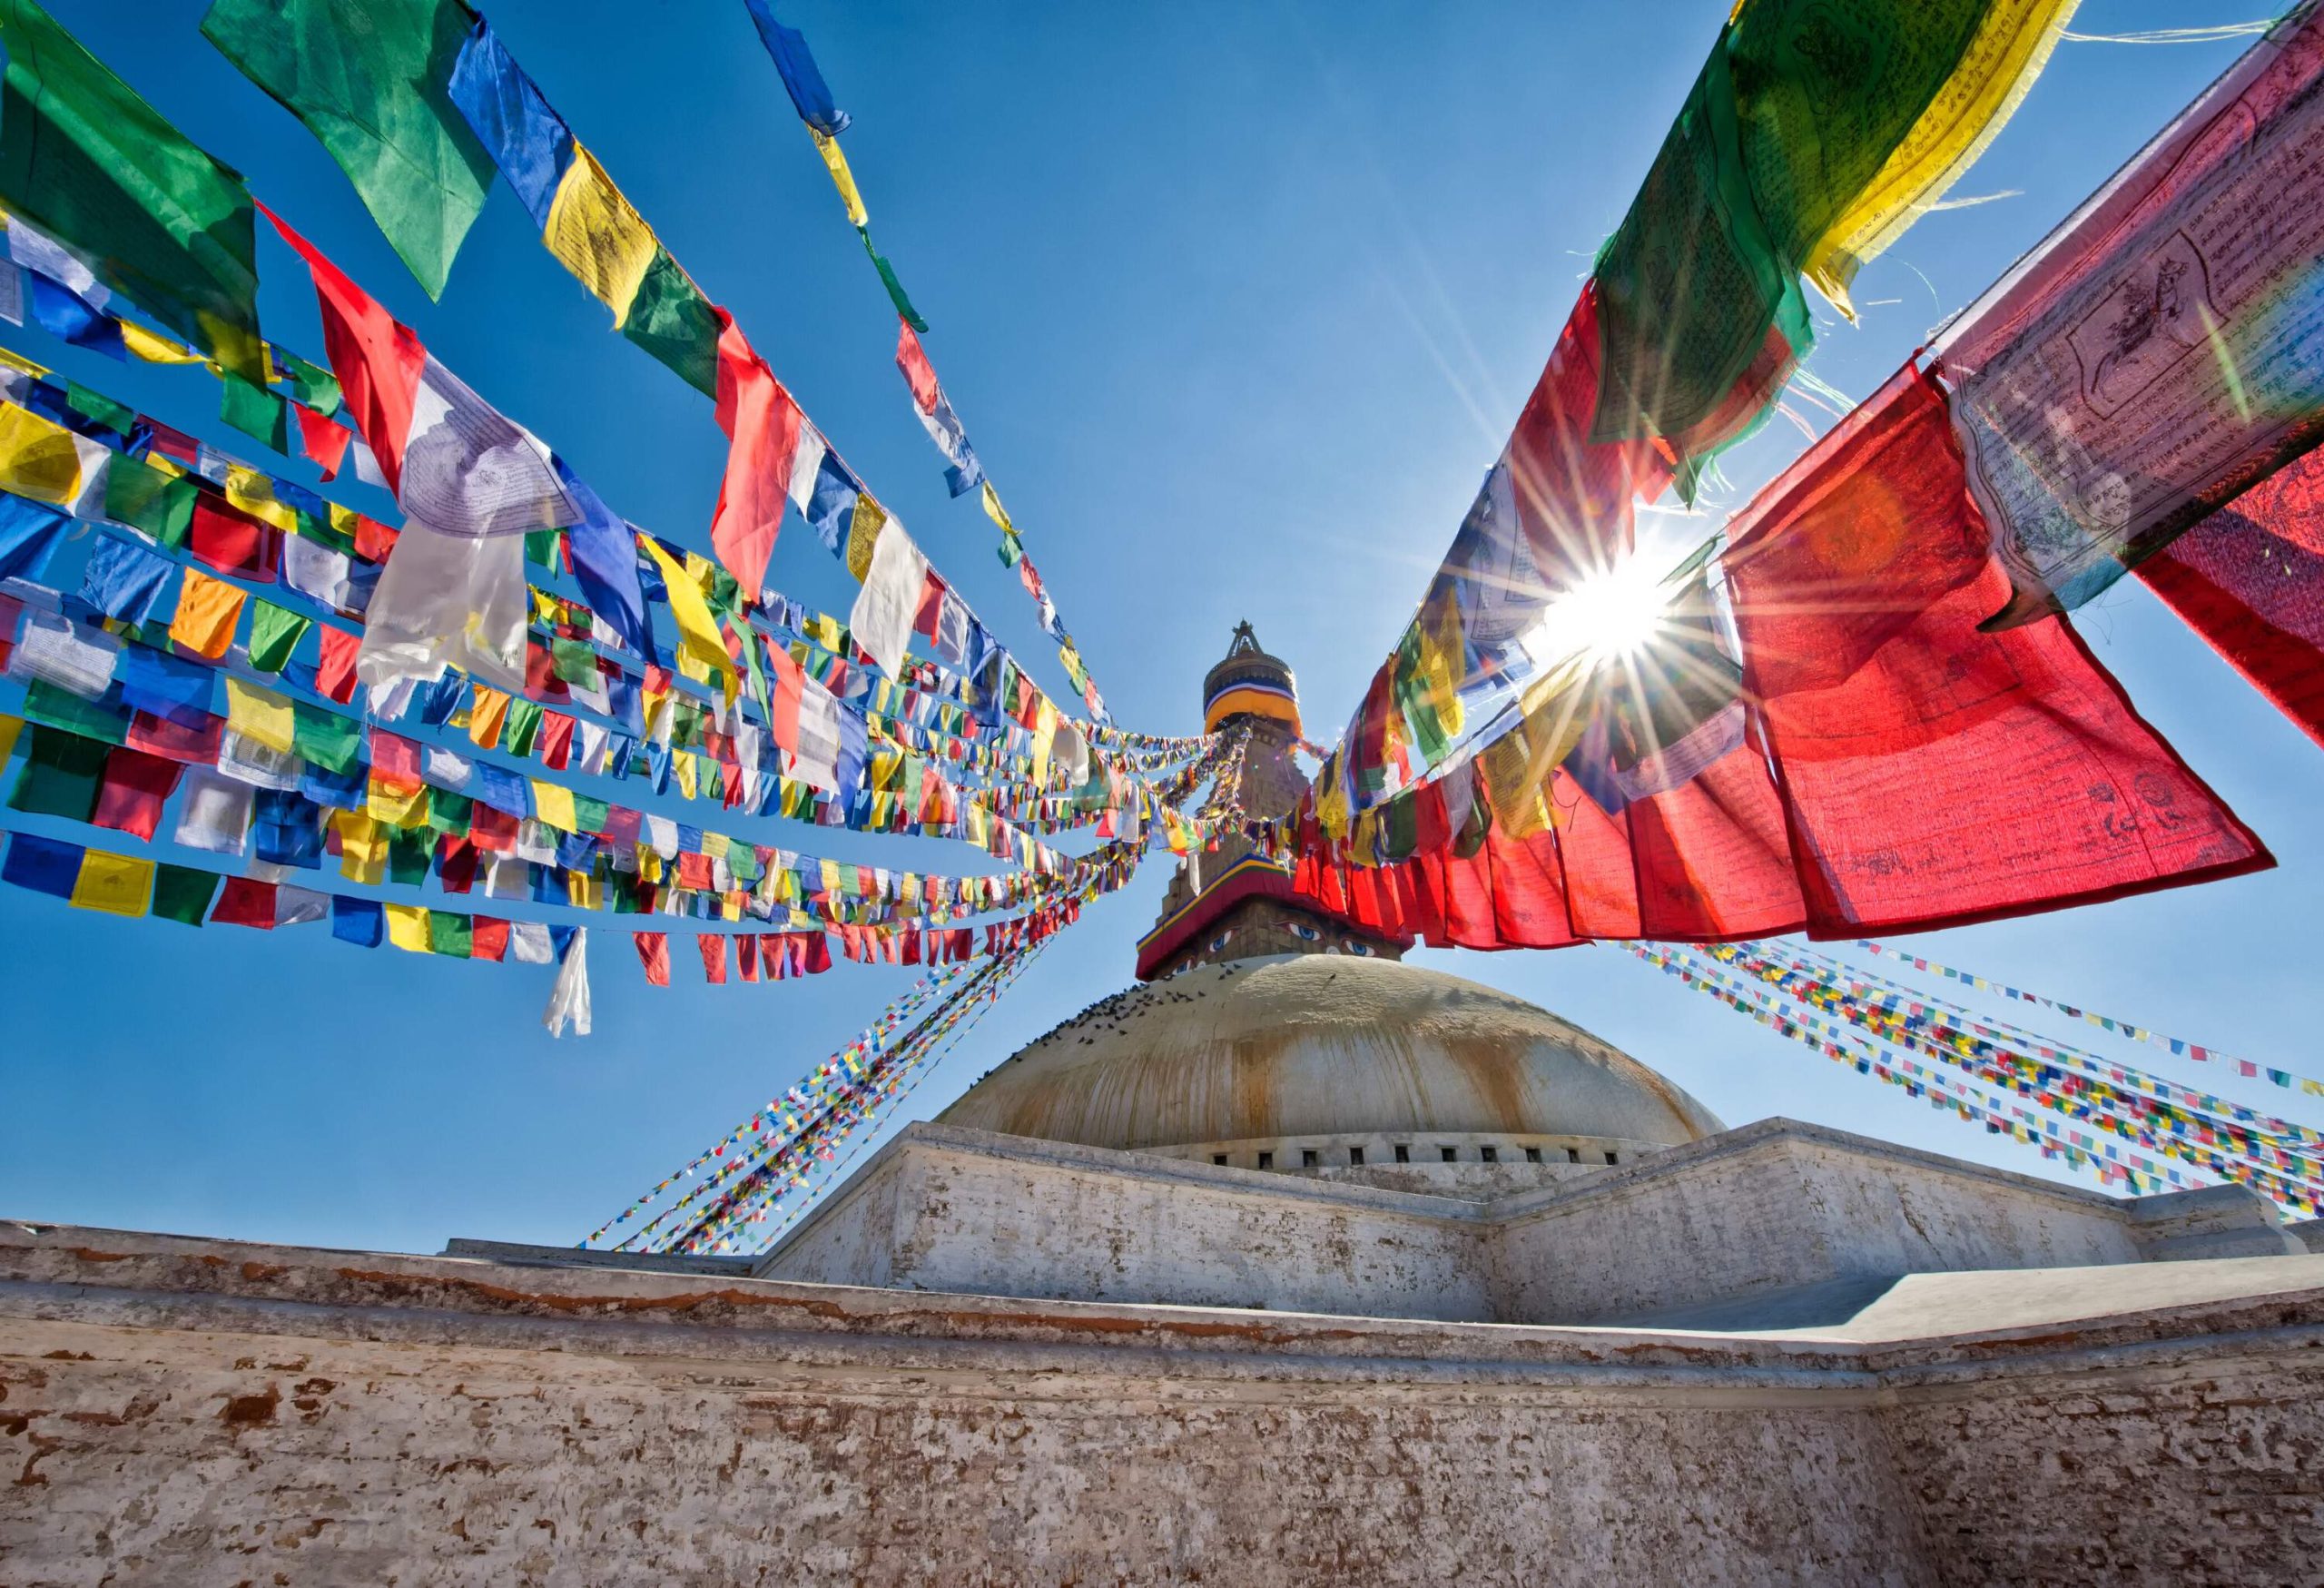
[671, 320]
[117, 417]
[368, 79]
[409, 849]
[313, 386]
[541, 547]
[331, 741]
[1825, 89]
[255, 412]
[142, 495]
[888, 280]
[725, 589]
[523, 727]
[1690, 285]
[182, 893]
[60, 774]
[85, 158]
[60, 708]
[450, 932]
[275, 632]
[574, 660]
[449, 814]
[590, 815]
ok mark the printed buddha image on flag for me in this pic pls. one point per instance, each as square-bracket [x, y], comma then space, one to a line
[2164, 349]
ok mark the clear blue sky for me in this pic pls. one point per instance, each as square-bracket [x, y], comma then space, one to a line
[1237, 302]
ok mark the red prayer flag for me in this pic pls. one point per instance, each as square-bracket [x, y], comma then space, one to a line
[762, 426]
[245, 902]
[335, 674]
[161, 735]
[746, 956]
[231, 541]
[1932, 775]
[555, 746]
[323, 439]
[919, 373]
[488, 938]
[135, 787]
[654, 953]
[377, 360]
[2250, 579]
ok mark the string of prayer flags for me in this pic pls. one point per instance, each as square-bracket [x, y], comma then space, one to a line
[2198, 1052]
[84, 157]
[1898, 730]
[963, 471]
[369, 80]
[2111, 1097]
[2156, 355]
[1794, 151]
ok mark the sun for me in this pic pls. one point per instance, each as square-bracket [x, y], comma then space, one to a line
[1612, 614]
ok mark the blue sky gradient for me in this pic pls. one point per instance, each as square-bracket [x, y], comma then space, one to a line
[1238, 303]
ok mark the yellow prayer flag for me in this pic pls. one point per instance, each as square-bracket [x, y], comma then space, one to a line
[260, 716]
[118, 885]
[10, 727]
[697, 630]
[584, 891]
[154, 348]
[596, 233]
[842, 178]
[22, 365]
[863, 526]
[553, 805]
[253, 493]
[208, 610]
[363, 846]
[689, 775]
[407, 928]
[42, 461]
[346, 520]
[995, 512]
[396, 804]
[2012, 44]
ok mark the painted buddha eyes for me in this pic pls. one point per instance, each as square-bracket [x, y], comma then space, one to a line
[1361, 949]
[1305, 932]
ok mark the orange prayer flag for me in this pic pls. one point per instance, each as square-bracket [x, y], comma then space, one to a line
[208, 610]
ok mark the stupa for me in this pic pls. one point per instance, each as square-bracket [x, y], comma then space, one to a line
[1293, 1263]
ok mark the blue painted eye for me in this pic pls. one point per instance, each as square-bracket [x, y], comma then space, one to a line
[1305, 932]
[1363, 949]
[1220, 942]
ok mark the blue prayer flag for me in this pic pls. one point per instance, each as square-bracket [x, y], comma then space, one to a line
[361, 922]
[122, 580]
[29, 533]
[810, 96]
[66, 315]
[46, 865]
[832, 503]
[605, 561]
[528, 141]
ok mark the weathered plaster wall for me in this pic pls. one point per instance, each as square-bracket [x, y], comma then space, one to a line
[1772, 1206]
[191, 1414]
[1780, 1204]
[964, 1211]
[2166, 1465]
